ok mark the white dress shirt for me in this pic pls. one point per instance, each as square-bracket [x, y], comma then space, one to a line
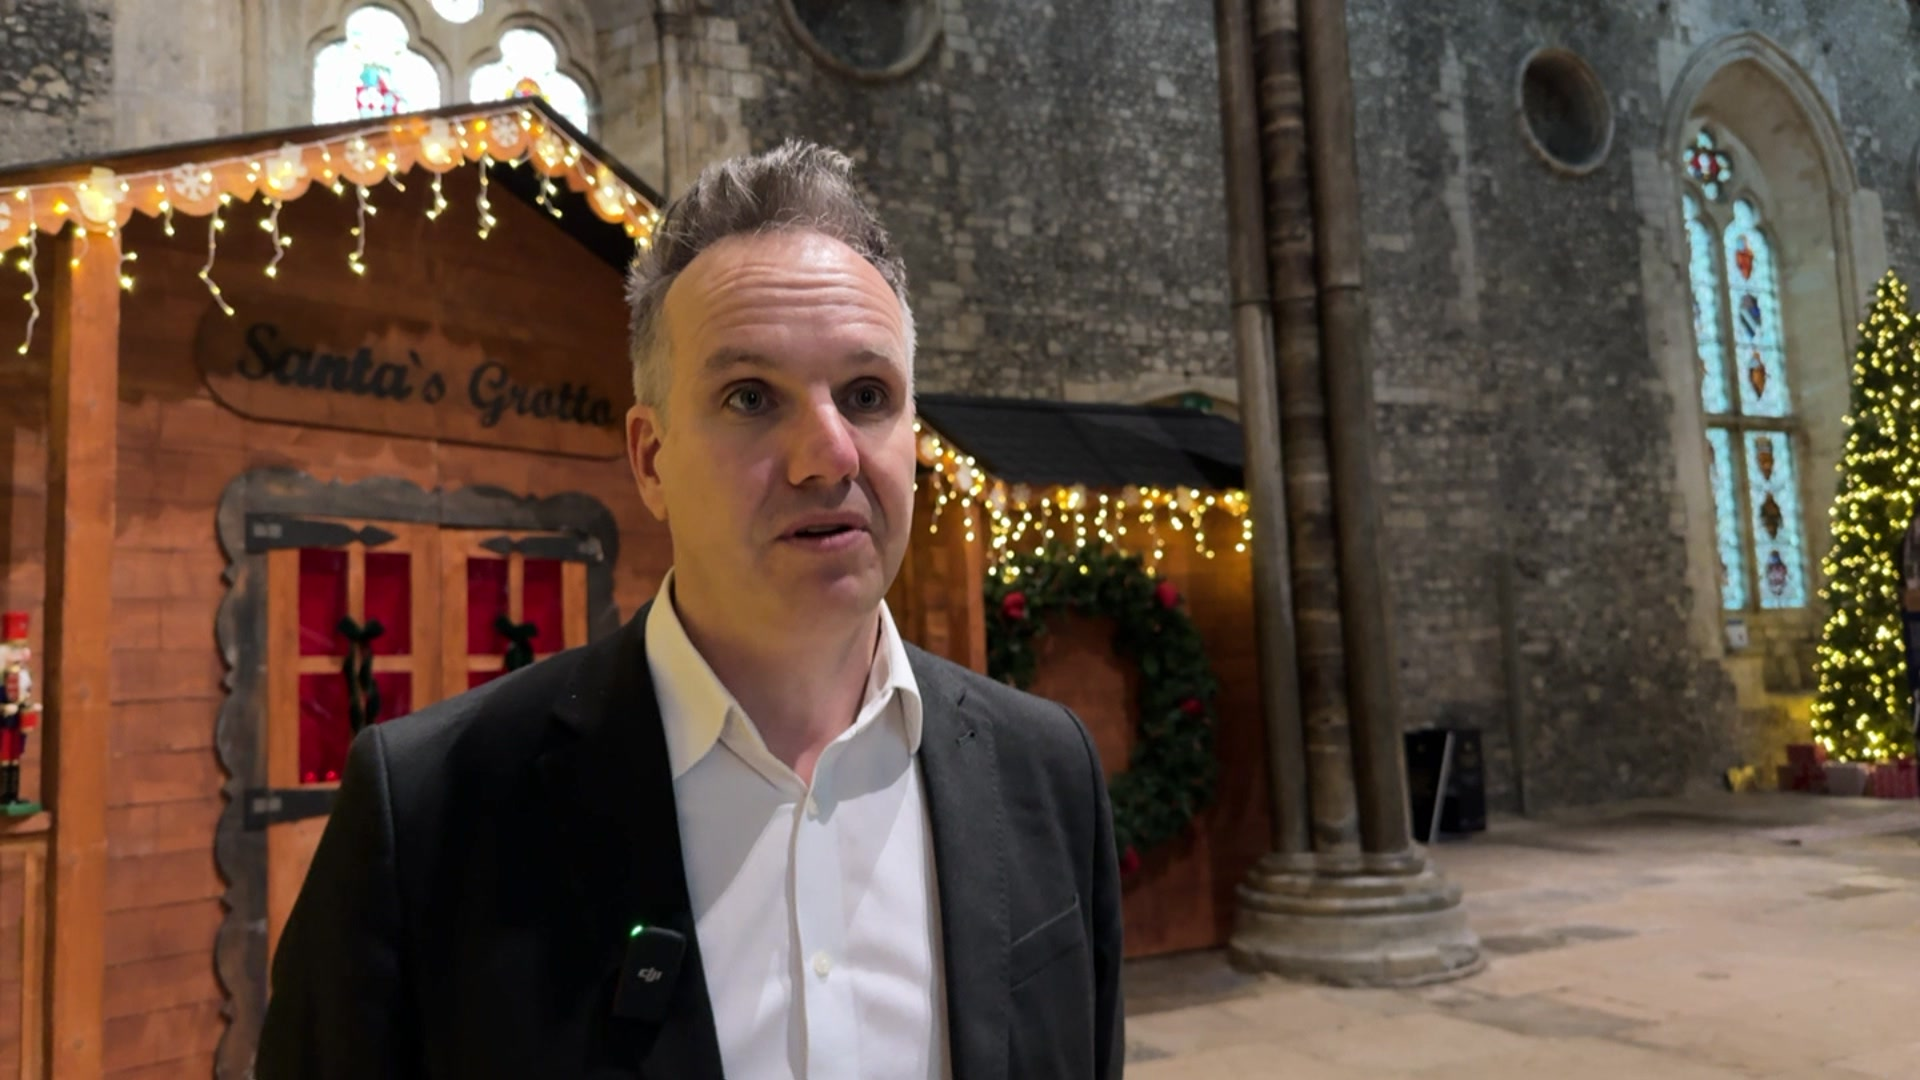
[816, 908]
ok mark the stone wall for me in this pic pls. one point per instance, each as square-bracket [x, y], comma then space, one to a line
[56, 78]
[179, 71]
[1052, 173]
[1528, 428]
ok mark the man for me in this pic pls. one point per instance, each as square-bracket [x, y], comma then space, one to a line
[753, 834]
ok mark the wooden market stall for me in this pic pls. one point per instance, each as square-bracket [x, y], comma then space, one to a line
[1003, 475]
[306, 428]
[312, 428]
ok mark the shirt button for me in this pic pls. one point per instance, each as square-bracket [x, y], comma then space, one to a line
[822, 963]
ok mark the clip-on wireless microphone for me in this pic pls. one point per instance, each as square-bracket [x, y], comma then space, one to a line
[648, 975]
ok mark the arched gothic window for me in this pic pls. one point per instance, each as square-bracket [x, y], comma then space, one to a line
[1751, 429]
[373, 72]
[529, 66]
[379, 69]
[458, 11]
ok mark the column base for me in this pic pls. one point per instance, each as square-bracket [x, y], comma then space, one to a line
[1386, 930]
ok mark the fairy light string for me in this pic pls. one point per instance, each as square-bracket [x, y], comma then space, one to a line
[214, 225]
[271, 224]
[362, 210]
[487, 221]
[123, 256]
[1017, 519]
[383, 151]
[30, 263]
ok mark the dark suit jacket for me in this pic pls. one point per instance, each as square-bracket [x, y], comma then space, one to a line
[468, 910]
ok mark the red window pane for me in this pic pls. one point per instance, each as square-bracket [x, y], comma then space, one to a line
[486, 600]
[396, 694]
[324, 731]
[481, 678]
[390, 600]
[541, 606]
[323, 600]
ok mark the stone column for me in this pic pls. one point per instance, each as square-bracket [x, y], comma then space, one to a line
[1378, 750]
[1375, 912]
[679, 165]
[1311, 519]
[1261, 429]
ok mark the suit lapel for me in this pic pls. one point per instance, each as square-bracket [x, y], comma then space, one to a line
[969, 826]
[611, 778]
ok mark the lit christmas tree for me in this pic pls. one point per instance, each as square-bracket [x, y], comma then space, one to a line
[1862, 712]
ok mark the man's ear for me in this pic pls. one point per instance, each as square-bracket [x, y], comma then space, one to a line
[643, 454]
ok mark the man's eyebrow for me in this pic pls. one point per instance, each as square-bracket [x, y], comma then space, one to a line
[724, 359]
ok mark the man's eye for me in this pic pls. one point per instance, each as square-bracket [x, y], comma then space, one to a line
[868, 397]
[749, 399]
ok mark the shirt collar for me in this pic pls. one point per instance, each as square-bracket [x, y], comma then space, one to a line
[695, 705]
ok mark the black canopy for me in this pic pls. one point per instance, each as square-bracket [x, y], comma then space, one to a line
[1062, 442]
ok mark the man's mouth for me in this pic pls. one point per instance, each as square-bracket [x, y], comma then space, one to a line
[811, 531]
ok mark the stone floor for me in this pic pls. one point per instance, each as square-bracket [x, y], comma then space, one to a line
[1735, 936]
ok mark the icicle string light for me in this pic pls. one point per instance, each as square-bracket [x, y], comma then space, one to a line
[545, 198]
[486, 206]
[357, 260]
[382, 150]
[214, 225]
[271, 223]
[122, 258]
[1018, 518]
[30, 263]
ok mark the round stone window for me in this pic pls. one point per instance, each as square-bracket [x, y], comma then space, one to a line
[1564, 111]
[866, 39]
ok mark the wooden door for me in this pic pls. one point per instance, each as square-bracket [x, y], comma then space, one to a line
[440, 595]
[388, 574]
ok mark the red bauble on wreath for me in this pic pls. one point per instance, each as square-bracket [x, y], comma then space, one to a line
[1171, 774]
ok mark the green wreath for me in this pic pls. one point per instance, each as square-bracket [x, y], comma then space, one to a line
[1170, 776]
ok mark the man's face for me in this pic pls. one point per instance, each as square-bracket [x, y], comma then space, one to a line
[785, 467]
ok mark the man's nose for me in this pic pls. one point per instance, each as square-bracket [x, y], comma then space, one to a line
[823, 449]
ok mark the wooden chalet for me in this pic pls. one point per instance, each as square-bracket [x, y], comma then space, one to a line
[326, 424]
[274, 390]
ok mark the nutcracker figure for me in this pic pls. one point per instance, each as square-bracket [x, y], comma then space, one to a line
[19, 709]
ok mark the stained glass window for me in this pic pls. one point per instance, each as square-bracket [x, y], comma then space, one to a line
[1756, 316]
[1773, 496]
[372, 72]
[458, 11]
[529, 66]
[1703, 268]
[1726, 518]
[1708, 166]
[1759, 532]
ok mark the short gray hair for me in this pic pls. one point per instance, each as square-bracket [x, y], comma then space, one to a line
[799, 185]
